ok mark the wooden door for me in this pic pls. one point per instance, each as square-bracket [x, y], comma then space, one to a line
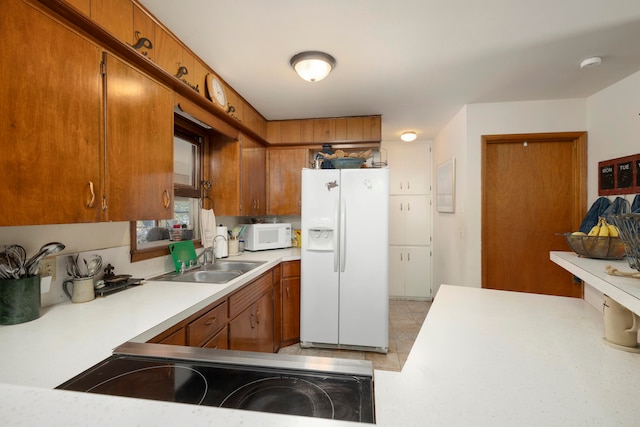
[49, 120]
[533, 188]
[290, 309]
[139, 145]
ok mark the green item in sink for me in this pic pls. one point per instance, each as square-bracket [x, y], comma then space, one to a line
[182, 252]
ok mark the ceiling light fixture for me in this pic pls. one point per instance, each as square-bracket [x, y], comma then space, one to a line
[591, 62]
[313, 66]
[408, 136]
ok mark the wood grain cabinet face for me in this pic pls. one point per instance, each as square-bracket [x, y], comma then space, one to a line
[254, 158]
[290, 301]
[285, 180]
[115, 16]
[201, 330]
[179, 337]
[50, 108]
[143, 36]
[139, 145]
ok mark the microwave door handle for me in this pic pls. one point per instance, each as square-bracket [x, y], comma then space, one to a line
[343, 235]
[336, 253]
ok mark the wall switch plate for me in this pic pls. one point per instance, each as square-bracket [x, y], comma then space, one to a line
[48, 268]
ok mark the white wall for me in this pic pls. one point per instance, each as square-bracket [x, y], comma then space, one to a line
[613, 122]
[460, 263]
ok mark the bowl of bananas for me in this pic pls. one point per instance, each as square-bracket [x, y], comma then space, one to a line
[602, 242]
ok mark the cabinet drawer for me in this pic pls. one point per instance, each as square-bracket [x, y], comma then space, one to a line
[207, 324]
[179, 337]
[291, 269]
[249, 294]
[219, 340]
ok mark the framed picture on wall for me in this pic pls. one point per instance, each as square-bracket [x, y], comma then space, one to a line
[446, 186]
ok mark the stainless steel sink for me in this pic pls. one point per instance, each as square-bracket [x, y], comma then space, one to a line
[222, 271]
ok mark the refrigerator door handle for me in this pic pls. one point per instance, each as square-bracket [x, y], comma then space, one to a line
[336, 252]
[343, 234]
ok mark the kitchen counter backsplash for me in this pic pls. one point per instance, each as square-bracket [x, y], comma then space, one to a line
[119, 258]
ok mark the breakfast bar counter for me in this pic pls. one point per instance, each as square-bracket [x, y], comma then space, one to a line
[482, 358]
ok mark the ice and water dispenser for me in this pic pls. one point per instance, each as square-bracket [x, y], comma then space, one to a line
[320, 238]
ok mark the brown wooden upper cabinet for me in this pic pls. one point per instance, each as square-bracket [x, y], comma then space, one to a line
[50, 108]
[254, 160]
[115, 16]
[354, 130]
[285, 180]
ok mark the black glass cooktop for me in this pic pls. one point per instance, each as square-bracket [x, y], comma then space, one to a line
[242, 384]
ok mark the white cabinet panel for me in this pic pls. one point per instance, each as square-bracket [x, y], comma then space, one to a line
[410, 271]
[409, 167]
[410, 220]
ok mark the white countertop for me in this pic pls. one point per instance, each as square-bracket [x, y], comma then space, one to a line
[625, 290]
[482, 358]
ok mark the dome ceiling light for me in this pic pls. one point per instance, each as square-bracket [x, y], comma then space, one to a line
[408, 136]
[313, 66]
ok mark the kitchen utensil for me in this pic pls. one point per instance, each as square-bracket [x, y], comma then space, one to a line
[20, 300]
[94, 265]
[33, 264]
[83, 289]
[182, 252]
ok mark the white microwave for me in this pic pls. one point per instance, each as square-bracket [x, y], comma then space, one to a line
[260, 237]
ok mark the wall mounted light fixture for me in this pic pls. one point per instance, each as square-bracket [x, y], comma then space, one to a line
[408, 136]
[313, 66]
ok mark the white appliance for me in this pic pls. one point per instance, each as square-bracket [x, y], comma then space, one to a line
[344, 300]
[260, 237]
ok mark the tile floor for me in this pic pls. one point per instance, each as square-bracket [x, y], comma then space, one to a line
[405, 320]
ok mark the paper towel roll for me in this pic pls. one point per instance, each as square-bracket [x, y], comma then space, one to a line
[220, 243]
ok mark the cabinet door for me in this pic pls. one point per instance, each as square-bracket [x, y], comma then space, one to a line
[254, 158]
[139, 145]
[143, 28]
[179, 337]
[409, 220]
[409, 167]
[264, 319]
[397, 261]
[417, 213]
[418, 272]
[285, 180]
[50, 126]
[290, 309]
[243, 330]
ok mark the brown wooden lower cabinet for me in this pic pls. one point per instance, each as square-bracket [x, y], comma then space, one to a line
[290, 303]
[246, 319]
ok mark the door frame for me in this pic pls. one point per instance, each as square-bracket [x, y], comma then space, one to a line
[579, 141]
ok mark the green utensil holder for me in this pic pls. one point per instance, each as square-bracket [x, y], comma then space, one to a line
[19, 300]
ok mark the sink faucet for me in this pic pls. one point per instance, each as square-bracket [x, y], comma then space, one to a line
[203, 255]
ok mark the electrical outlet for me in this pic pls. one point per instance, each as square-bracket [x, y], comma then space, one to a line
[48, 268]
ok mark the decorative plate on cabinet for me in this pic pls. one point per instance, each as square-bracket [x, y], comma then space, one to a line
[216, 90]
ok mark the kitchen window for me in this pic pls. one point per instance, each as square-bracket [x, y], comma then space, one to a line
[150, 238]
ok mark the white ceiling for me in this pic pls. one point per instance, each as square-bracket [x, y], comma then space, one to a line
[416, 62]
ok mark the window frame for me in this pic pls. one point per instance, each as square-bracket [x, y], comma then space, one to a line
[186, 130]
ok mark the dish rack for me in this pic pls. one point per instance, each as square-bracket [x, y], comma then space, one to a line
[629, 228]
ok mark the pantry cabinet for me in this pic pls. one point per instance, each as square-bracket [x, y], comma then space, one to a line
[50, 108]
[410, 271]
[410, 219]
[409, 167]
[284, 178]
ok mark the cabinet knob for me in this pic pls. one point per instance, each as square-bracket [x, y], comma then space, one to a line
[210, 321]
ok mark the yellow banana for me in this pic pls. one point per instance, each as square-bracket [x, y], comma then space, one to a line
[595, 230]
[604, 229]
[613, 230]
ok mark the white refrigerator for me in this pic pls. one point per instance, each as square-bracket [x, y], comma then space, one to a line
[344, 296]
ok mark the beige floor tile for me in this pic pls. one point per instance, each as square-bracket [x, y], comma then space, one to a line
[405, 320]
